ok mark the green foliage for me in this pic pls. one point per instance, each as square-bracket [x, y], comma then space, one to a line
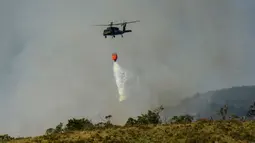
[49, 131]
[5, 137]
[108, 117]
[131, 121]
[72, 125]
[251, 111]
[182, 119]
[79, 124]
[59, 128]
[108, 123]
[152, 117]
[224, 112]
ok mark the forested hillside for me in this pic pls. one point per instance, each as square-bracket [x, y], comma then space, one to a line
[238, 100]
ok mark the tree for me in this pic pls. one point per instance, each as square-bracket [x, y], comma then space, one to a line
[108, 123]
[79, 124]
[131, 122]
[225, 109]
[251, 111]
[5, 138]
[143, 119]
[182, 119]
[152, 117]
[99, 125]
[108, 118]
[224, 112]
[158, 110]
[59, 128]
[188, 118]
[49, 131]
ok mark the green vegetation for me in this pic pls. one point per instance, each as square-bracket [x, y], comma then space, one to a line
[149, 128]
[201, 131]
[251, 111]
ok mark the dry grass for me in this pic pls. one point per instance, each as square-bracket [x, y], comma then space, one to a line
[203, 131]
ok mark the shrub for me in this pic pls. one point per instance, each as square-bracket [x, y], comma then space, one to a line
[79, 124]
[182, 119]
[152, 117]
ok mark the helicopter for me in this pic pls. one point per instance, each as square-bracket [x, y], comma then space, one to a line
[113, 31]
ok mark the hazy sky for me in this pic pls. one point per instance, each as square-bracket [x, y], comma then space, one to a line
[54, 65]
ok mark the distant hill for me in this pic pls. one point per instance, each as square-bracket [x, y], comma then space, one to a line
[207, 104]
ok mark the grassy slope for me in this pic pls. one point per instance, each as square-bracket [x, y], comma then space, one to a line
[203, 131]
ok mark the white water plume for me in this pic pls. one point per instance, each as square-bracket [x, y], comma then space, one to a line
[120, 77]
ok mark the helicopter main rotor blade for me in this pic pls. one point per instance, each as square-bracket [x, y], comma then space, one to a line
[126, 22]
[117, 23]
[110, 24]
[132, 21]
[102, 25]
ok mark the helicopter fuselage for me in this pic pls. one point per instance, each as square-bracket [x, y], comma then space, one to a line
[112, 31]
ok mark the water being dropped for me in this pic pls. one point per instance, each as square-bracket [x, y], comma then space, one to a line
[120, 78]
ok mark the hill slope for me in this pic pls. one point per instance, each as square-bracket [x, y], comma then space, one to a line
[203, 131]
[207, 104]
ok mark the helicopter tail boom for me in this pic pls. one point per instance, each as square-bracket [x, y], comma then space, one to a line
[126, 31]
[124, 28]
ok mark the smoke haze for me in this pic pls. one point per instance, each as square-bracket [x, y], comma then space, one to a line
[54, 65]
